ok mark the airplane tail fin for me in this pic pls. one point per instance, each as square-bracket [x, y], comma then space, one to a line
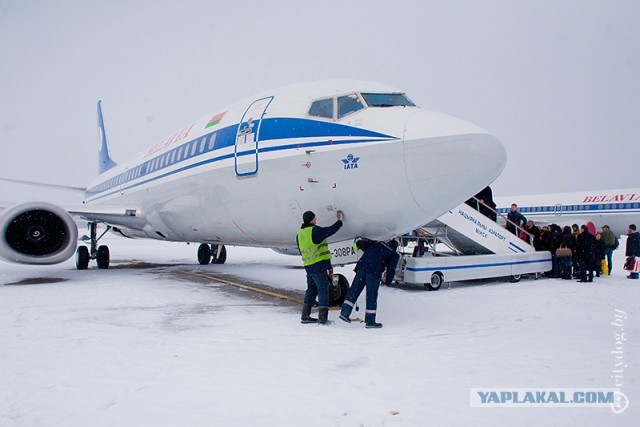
[104, 160]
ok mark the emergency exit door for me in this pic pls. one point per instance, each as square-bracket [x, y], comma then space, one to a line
[246, 153]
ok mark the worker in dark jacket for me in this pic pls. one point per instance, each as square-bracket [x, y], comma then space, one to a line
[377, 257]
[585, 251]
[633, 247]
[316, 258]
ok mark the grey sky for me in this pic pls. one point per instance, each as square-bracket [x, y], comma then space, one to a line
[555, 80]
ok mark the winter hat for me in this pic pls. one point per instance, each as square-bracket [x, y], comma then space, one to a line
[307, 217]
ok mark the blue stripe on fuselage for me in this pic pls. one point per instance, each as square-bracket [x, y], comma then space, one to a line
[287, 127]
[270, 129]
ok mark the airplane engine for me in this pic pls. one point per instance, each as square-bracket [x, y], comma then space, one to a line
[37, 233]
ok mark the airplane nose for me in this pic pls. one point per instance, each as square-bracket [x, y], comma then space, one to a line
[448, 160]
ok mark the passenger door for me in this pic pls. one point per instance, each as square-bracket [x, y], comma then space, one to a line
[248, 138]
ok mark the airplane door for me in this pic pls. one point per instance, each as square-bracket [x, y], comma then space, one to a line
[248, 137]
[557, 209]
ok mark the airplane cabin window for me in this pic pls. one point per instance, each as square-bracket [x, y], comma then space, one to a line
[348, 104]
[387, 100]
[322, 108]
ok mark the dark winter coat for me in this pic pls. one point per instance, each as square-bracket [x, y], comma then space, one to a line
[633, 245]
[555, 238]
[599, 248]
[543, 241]
[376, 258]
[517, 218]
[568, 241]
[535, 232]
[585, 248]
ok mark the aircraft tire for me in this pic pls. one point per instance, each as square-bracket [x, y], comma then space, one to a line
[435, 283]
[103, 257]
[204, 254]
[221, 255]
[338, 288]
[82, 258]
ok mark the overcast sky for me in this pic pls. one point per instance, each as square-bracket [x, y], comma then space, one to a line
[557, 81]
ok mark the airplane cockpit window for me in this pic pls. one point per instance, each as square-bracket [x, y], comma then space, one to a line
[387, 100]
[348, 104]
[322, 108]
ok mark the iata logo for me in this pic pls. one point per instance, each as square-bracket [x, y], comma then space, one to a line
[351, 162]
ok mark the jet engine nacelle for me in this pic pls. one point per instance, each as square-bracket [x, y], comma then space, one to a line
[37, 233]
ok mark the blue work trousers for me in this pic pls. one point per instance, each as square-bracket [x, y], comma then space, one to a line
[362, 280]
[317, 286]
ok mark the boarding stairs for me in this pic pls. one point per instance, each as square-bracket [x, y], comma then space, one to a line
[467, 231]
[479, 247]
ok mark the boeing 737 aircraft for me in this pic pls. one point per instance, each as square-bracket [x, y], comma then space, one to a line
[244, 174]
[615, 208]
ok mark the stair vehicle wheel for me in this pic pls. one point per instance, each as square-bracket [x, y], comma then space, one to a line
[338, 288]
[204, 254]
[436, 281]
[515, 278]
[219, 254]
[82, 258]
[102, 257]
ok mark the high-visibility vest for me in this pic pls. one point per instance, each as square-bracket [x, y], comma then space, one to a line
[312, 253]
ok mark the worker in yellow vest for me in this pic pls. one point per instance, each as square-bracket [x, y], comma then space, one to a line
[316, 258]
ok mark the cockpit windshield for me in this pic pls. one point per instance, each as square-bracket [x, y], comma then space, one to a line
[338, 107]
[387, 100]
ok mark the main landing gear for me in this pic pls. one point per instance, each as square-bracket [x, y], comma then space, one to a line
[214, 254]
[99, 253]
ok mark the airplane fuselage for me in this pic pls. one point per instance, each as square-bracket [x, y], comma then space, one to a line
[616, 208]
[245, 174]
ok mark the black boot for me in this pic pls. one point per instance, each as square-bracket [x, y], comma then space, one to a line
[323, 315]
[306, 315]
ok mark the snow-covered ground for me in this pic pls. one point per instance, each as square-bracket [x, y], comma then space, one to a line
[131, 346]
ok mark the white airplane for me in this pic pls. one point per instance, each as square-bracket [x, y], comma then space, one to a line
[615, 208]
[243, 175]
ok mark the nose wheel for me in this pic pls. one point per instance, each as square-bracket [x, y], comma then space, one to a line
[99, 253]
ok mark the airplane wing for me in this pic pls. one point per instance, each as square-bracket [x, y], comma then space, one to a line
[116, 216]
[44, 185]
